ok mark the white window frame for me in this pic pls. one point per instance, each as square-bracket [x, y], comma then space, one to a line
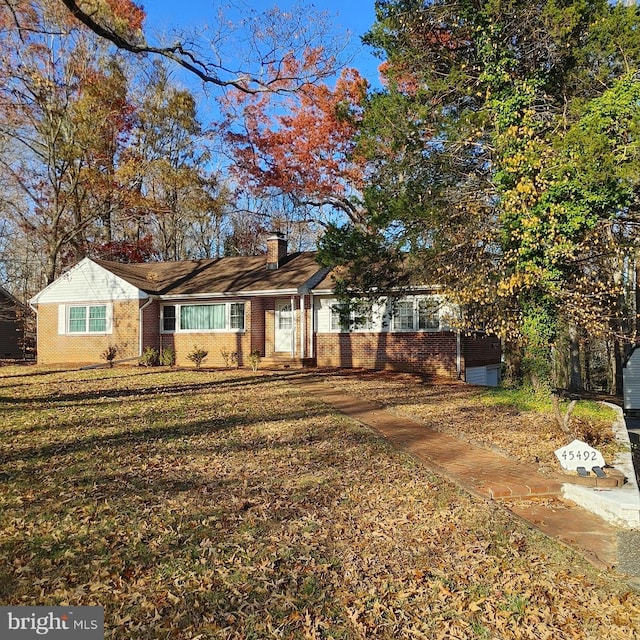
[415, 302]
[227, 315]
[87, 319]
[175, 318]
[356, 323]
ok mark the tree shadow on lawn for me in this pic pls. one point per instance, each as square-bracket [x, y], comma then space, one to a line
[393, 388]
[174, 431]
[135, 373]
[135, 523]
[69, 399]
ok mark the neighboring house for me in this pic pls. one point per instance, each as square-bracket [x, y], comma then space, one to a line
[282, 306]
[12, 326]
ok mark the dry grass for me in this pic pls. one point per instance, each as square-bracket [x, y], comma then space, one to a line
[197, 504]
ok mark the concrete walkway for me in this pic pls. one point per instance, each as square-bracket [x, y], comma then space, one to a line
[532, 497]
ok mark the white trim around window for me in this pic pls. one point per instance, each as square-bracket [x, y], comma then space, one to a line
[418, 313]
[414, 313]
[215, 317]
[85, 319]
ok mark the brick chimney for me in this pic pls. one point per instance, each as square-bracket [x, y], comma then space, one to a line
[276, 250]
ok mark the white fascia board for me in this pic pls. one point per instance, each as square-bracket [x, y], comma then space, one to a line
[412, 289]
[322, 292]
[88, 281]
[231, 294]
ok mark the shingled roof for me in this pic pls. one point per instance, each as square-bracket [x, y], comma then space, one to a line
[298, 272]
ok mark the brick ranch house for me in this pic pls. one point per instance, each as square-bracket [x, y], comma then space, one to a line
[282, 306]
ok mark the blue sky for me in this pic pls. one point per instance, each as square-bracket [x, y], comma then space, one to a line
[355, 16]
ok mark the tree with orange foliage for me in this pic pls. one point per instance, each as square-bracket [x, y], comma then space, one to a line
[303, 145]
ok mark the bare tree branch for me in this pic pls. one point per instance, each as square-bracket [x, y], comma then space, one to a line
[280, 79]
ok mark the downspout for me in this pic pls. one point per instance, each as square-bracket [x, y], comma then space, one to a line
[459, 354]
[141, 327]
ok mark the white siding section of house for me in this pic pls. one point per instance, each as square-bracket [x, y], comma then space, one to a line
[322, 311]
[631, 382]
[88, 282]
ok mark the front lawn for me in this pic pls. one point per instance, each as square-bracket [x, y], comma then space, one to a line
[200, 504]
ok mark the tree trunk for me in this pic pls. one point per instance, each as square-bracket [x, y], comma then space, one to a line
[575, 368]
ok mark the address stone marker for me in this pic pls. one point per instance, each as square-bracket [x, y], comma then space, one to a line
[579, 454]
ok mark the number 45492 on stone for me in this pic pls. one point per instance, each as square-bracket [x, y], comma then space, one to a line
[579, 454]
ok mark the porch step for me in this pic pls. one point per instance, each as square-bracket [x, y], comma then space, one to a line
[285, 361]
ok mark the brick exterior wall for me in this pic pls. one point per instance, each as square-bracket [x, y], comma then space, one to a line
[424, 352]
[479, 350]
[256, 327]
[214, 343]
[151, 325]
[86, 349]
[431, 353]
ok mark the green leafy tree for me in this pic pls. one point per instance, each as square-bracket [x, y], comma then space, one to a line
[502, 154]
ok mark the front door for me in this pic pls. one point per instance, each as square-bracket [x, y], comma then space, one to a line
[284, 326]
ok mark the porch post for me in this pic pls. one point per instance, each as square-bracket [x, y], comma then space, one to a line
[303, 327]
[313, 328]
[293, 327]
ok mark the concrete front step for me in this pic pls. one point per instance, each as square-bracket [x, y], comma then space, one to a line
[285, 361]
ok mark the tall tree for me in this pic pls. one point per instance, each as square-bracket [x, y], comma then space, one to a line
[64, 112]
[171, 158]
[504, 149]
[249, 51]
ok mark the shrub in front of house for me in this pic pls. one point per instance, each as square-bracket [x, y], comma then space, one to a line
[149, 357]
[168, 357]
[254, 359]
[197, 355]
[109, 354]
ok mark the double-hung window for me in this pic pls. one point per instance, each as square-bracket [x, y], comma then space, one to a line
[87, 319]
[340, 318]
[236, 315]
[169, 318]
[222, 316]
[419, 313]
[403, 318]
[428, 314]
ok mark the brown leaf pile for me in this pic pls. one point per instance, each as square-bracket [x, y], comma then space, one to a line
[198, 504]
